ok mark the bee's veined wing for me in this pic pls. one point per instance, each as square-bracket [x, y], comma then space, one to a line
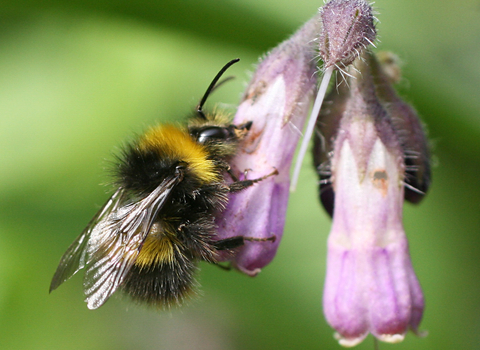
[74, 258]
[116, 241]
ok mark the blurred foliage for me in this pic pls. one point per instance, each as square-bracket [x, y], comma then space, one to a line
[78, 77]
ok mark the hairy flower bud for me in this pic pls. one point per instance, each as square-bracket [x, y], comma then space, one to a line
[277, 102]
[347, 30]
[370, 284]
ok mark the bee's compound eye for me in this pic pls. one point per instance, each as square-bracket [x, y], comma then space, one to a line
[211, 133]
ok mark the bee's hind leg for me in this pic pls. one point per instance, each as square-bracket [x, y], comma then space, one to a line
[235, 242]
[238, 241]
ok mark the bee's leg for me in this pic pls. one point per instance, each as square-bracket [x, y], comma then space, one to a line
[235, 242]
[224, 267]
[245, 172]
[240, 185]
[229, 243]
[272, 239]
[238, 241]
[232, 175]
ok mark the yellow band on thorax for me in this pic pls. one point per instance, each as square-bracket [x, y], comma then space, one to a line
[175, 143]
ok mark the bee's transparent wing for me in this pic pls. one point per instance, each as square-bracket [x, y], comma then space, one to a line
[116, 241]
[74, 258]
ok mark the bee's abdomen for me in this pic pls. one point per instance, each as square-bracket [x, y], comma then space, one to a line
[163, 284]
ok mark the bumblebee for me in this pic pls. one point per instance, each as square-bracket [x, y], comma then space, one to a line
[148, 238]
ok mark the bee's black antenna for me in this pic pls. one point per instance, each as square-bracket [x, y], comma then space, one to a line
[212, 86]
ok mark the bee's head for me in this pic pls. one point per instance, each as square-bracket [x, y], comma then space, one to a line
[219, 134]
[213, 130]
[220, 140]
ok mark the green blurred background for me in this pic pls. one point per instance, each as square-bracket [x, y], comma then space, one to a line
[79, 77]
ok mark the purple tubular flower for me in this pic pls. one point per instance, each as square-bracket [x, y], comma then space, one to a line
[370, 285]
[276, 101]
